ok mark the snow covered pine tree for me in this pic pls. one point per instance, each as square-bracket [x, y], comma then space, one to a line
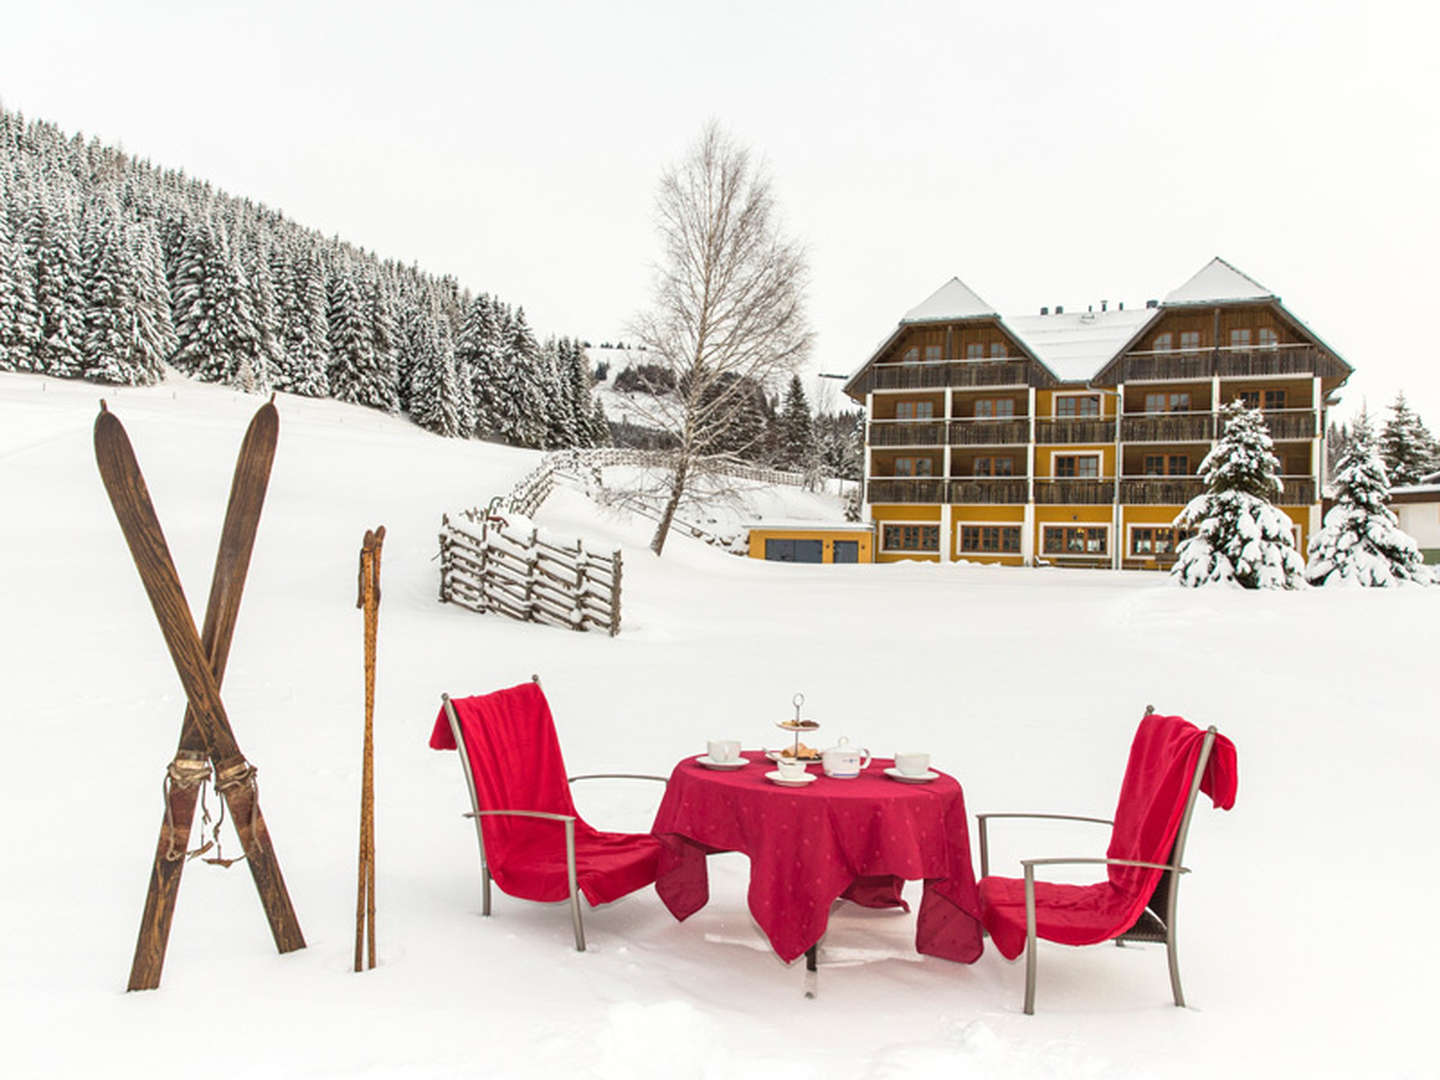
[1406, 444]
[1239, 535]
[1362, 543]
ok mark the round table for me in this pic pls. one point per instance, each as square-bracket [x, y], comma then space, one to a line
[808, 846]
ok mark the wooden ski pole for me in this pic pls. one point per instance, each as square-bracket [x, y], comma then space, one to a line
[368, 600]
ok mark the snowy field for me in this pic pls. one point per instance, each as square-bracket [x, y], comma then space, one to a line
[1295, 942]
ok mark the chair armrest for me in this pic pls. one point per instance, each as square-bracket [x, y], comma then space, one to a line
[1028, 863]
[618, 776]
[985, 837]
[521, 813]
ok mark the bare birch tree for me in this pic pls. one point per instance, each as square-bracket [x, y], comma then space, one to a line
[728, 316]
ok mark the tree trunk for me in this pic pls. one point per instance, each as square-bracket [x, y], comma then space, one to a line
[677, 491]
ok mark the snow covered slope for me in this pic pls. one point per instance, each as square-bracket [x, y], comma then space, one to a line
[1025, 684]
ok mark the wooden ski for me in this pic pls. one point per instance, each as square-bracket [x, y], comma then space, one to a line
[206, 730]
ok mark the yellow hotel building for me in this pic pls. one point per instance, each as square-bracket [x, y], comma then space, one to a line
[1075, 438]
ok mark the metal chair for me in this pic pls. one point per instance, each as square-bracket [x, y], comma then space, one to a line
[567, 820]
[1157, 921]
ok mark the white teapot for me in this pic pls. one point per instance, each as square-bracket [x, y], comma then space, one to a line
[843, 762]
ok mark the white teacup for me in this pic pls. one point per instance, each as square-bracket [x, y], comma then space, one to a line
[724, 750]
[913, 764]
[790, 768]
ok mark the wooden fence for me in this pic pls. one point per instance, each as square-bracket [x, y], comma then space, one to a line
[488, 566]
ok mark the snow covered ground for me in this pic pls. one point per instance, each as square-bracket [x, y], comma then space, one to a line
[1296, 945]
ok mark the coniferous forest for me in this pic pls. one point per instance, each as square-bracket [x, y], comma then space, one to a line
[112, 268]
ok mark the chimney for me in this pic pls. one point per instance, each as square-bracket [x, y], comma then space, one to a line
[1151, 304]
[1044, 311]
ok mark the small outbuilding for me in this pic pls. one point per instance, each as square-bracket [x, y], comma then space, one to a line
[1418, 508]
[812, 542]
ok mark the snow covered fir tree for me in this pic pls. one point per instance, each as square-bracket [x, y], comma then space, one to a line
[1238, 534]
[112, 269]
[1406, 445]
[1362, 542]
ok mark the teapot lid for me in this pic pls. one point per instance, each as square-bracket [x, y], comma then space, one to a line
[842, 744]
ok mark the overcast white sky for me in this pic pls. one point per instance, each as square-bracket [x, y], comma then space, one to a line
[1046, 153]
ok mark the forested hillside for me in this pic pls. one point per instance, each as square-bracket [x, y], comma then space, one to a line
[112, 268]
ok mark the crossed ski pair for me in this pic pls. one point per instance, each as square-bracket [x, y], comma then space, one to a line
[200, 661]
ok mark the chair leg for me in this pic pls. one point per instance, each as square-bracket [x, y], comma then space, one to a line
[574, 886]
[485, 890]
[1174, 957]
[1030, 941]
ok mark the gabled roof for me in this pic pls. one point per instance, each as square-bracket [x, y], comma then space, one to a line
[953, 300]
[1218, 282]
[1076, 346]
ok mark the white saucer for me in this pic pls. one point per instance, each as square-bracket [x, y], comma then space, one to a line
[710, 763]
[777, 777]
[919, 778]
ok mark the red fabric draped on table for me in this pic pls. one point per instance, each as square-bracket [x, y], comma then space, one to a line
[516, 762]
[1147, 820]
[859, 839]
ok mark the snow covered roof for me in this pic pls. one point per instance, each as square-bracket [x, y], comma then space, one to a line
[953, 300]
[1217, 281]
[1076, 345]
[801, 525]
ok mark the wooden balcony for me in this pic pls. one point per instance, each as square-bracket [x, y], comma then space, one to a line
[1289, 423]
[905, 489]
[1077, 429]
[1074, 492]
[986, 432]
[906, 433]
[1299, 491]
[1011, 490]
[938, 374]
[1176, 427]
[1229, 363]
[1160, 490]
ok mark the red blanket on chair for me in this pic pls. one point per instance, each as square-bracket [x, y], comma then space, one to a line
[1147, 820]
[515, 760]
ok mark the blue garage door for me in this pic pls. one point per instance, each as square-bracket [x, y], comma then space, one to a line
[795, 550]
[847, 551]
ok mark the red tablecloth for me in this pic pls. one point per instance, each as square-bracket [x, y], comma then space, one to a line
[808, 846]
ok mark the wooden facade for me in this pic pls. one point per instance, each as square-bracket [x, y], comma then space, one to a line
[1005, 458]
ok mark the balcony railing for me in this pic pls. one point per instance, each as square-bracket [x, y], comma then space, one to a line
[987, 432]
[1299, 491]
[1160, 490]
[1229, 363]
[906, 489]
[938, 374]
[1005, 489]
[1167, 427]
[1075, 430]
[1289, 423]
[906, 432]
[1075, 491]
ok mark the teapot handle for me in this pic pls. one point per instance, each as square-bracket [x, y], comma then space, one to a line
[865, 763]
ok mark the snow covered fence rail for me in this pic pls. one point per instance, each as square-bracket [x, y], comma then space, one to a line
[490, 563]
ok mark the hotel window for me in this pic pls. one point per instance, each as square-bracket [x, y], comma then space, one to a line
[911, 356]
[1269, 339]
[911, 537]
[998, 539]
[914, 466]
[1075, 540]
[994, 408]
[994, 466]
[974, 351]
[1164, 342]
[932, 352]
[1167, 465]
[997, 349]
[1078, 405]
[1148, 542]
[1189, 340]
[1240, 339]
[1178, 401]
[1263, 399]
[1077, 466]
[914, 410]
